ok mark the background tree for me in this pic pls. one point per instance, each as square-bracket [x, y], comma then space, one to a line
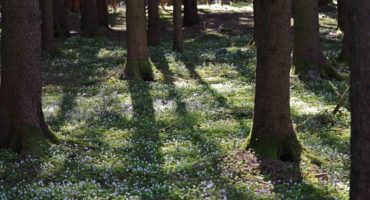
[21, 119]
[60, 18]
[138, 65]
[273, 136]
[153, 23]
[308, 58]
[48, 43]
[89, 17]
[343, 25]
[191, 16]
[178, 43]
[360, 99]
[102, 7]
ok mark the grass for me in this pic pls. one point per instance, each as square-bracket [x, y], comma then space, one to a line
[180, 137]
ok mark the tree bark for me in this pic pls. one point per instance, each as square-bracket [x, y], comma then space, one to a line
[360, 98]
[103, 13]
[178, 43]
[89, 18]
[153, 23]
[273, 136]
[22, 124]
[138, 65]
[191, 16]
[48, 43]
[60, 18]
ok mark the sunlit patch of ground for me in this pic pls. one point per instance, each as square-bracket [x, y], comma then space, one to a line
[180, 137]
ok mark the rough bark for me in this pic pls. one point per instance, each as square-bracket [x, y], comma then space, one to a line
[138, 65]
[153, 23]
[273, 136]
[60, 18]
[103, 13]
[191, 16]
[48, 43]
[22, 124]
[89, 18]
[178, 43]
[360, 99]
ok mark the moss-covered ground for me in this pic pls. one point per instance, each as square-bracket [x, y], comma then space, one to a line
[182, 136]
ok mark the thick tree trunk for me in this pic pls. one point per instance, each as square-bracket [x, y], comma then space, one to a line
[60, 18]
[103, 13]
[89, 18]
[191, 16]
[22, 124]
[178, 43]
[138, 65]
[48, 43]
[343, 24]
[273, 136]
[360, 99]
[153, 23]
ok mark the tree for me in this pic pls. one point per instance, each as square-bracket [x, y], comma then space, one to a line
[153, 23]
[343, 25]
[191, 16]
[360, 98]
[22, 124]
[308, 58]
[60, 18]
[89, 17]
[273, 136]
[178, 43]
[138, 65]
[102, 7]
[48, 43]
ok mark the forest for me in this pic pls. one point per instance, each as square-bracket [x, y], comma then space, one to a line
[185, 99]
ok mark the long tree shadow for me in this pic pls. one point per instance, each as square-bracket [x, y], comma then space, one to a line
[144, 160]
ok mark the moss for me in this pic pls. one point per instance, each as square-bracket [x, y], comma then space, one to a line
[288, 149]
[138, 69]
[29, 138]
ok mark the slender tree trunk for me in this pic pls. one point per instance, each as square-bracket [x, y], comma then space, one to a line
[22, 124]
[153, 23]
[178, 43]
[191, 16]
[60, 18]
[48, 43]
[138, 65]
[307, 50]
[360, 98]
[343, 24]
[89, 18]
[273, 136]
[103, 13]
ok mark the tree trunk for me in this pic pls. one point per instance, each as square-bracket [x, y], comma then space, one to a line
[60, 18]
[48, 43]
[178, 43]
[273, 136]
[360, 98]
[103, 13]
[343, 24]
[191, 16]
[22, 124]
[306, 50]
[89, 18]
[153, 23]
[138, 65]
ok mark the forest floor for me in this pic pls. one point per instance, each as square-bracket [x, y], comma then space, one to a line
[182, 136]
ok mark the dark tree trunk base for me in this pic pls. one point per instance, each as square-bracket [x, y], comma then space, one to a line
[139, 69]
